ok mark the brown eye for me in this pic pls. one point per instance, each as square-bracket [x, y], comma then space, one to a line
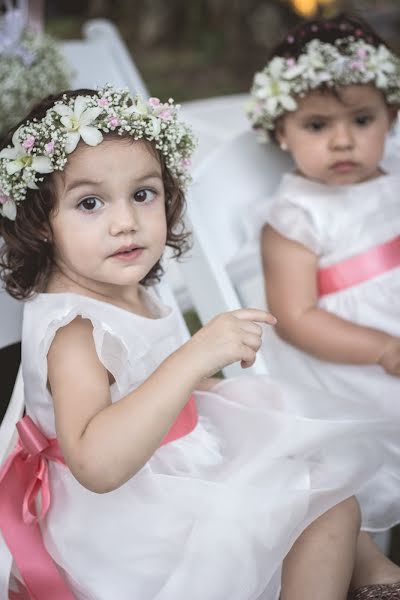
[90, 204]
[144, 196]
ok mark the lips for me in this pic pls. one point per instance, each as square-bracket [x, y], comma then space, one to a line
[128, 252]
[127, 249]
[344, 166]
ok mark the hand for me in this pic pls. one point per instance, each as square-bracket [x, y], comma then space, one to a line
[227, 338]
[390, 358]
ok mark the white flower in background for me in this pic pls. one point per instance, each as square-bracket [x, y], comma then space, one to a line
[380, 65]
[272, 88]
[276, 88]
[77, 122]
[19, 158]
[313, 65]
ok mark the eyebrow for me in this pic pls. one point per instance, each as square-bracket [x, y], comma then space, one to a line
[95, 183]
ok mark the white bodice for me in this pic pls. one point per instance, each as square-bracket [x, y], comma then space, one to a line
[130, 346]
[336, 222]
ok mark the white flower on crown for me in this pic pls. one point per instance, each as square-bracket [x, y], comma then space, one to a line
[380, 66]
[20, 158]
[311, 66]
[272, 88]
[77, 123]
[276, 88]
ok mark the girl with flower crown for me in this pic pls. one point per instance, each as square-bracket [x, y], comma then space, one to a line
[136, 475]
[331, 247]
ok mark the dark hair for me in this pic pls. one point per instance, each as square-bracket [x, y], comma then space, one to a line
[27, 260]
[341, 26]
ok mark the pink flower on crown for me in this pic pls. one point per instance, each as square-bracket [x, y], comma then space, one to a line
[165, 115]
[3, 197]
[290, 62]
[103, 102]
[49, 147]
[186, 163]
[113, 122]
[154, 102]
[361, 53]
[29, 142]
[357, 65]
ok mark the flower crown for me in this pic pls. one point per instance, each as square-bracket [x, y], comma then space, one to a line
[347, 61]
[42, 146]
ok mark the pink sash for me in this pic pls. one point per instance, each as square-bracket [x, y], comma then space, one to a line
[23, 477]
[359, 268]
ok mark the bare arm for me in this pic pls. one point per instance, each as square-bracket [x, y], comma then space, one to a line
[105, 444]
[290, 275]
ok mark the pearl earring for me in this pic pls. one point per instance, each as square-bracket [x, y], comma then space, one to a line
[45, 240]
[284, 146]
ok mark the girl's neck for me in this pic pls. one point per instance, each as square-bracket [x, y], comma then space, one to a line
[129, 298]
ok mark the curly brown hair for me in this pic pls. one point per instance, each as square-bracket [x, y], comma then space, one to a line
[27, 258]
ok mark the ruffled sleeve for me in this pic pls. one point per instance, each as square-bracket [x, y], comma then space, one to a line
[109, 343]
[295, 221]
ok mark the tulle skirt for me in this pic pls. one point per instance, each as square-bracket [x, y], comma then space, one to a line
[212, 515]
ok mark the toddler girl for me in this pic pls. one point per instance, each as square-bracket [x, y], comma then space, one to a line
[331, 248]
[155, 481]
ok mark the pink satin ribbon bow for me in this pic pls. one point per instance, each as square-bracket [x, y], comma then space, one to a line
[359, 268]
[22, 477]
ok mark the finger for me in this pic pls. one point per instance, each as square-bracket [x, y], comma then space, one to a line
[251, 327]
[245, 364]
[254, 314]
[247, 354]
[252, 341]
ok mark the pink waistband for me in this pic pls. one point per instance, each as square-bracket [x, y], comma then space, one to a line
[23, 477]
[185, 422]
[359, 268]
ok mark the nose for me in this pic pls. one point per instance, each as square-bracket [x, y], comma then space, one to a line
[342, 137]
[124, 218]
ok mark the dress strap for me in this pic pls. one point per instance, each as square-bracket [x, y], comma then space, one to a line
[359, 268]
[22, 477]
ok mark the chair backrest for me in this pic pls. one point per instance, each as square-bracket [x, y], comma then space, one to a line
[229, 181]
[225, 186]
[101, 57]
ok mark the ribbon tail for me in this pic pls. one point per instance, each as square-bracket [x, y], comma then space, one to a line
[41, 576]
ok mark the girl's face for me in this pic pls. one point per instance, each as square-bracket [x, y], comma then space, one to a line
[338, 140]
[109, 226]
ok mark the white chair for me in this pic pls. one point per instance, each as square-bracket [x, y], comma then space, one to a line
[236, 175]
[215, 121]
[101, 57]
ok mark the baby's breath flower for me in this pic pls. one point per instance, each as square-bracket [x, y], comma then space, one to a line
[276, 88]
[42, 146]
[23, 83]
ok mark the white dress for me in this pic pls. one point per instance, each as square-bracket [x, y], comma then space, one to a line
[336, 223]
[212, 514]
